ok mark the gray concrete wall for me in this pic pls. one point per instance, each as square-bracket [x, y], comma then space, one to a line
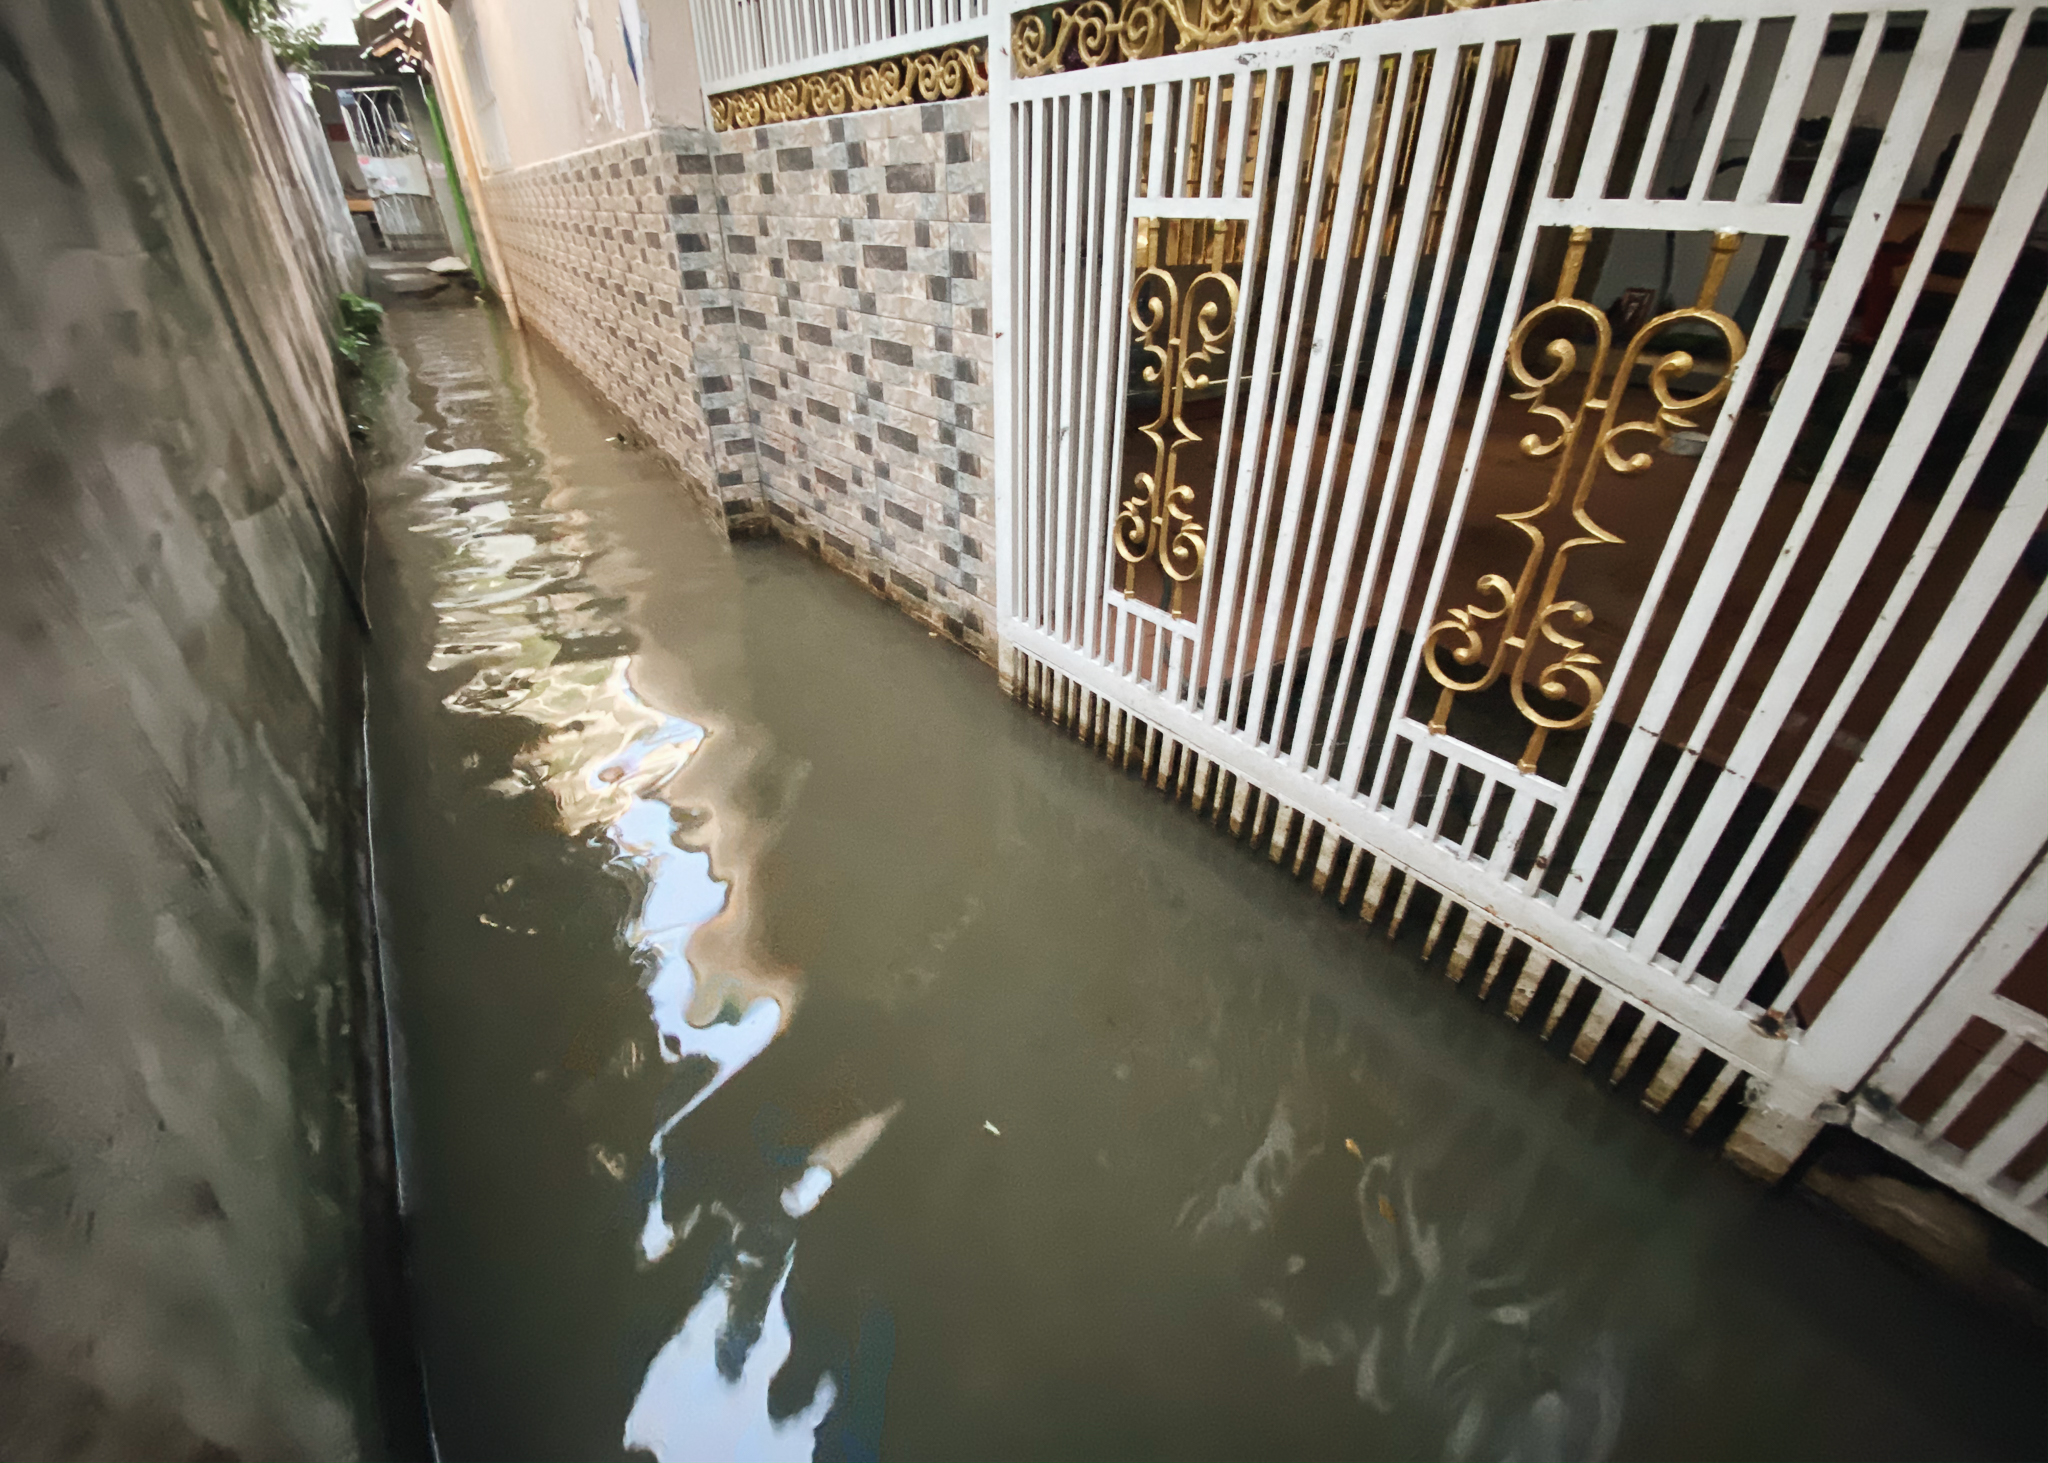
[798, 315]
[181, 1176]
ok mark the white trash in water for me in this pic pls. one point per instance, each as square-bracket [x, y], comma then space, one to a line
[461, 457]
[1685, 444]
[449, 264]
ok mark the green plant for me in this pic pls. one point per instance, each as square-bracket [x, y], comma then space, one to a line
[361, 320]
[276, 24]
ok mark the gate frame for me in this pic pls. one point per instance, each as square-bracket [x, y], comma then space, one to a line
[1799, 1082]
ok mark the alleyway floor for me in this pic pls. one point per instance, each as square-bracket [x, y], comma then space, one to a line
[805, 1051]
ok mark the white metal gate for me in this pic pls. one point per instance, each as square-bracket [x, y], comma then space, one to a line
[1575, 465]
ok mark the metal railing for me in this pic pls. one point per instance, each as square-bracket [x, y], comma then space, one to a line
[747, 42]
[1678, 677]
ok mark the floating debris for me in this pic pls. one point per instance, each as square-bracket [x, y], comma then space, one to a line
[461, 457]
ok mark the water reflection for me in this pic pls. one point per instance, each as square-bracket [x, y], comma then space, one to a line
[518, 613]
[1172, 1175]
[688, 1407]
[1403, 1267]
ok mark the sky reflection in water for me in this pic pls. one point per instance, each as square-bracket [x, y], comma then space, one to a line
[512, 596]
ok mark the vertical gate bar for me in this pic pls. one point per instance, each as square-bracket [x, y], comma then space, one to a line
[1605, 1009]
[1711, 1098]
[1223, 521]
[1782, 105]
[1105, 461]
[1562, 1002]
[1632, 1049]
[2003, 239]
[1895, 155]
[1217, 131]
[1535, 965]
[1980, 588]
[1510, 837]
[1383, 138]
[1315, 361]
[1409, 540]
[1006, 138]
[1660, 120]
[1842, 815]
[1235, 570]
[1487, 785]
[1923, 1043]
[1896, 471]
[1938, 922]
[1622, 784]
[2002, 1144]
[1446, 783]
[1672, 1071]
[1071, 347]
[1041, 335]
[1971, 992]
[1319, 183]
[1372, 416]
[1458, 355]
[1086, 393]
[1724, 109]
[1155, 163]
[1616, 87]
[1974, 1081]
[1795, 399]
[1411, 784]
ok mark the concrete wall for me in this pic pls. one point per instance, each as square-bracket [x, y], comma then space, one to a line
[182, 1184]
[798, 315]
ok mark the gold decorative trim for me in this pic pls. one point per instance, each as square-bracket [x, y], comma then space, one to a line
[1095, 32]
[926, 76]
[1526, 620]
[1183, 332]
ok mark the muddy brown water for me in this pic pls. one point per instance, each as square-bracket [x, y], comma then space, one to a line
[805, 1052]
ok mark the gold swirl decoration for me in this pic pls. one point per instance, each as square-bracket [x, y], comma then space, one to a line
[1183, 331]
[928, 76]
[1094, 32]
[1533, 625]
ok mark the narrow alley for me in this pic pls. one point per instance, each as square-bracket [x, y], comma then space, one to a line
[987, 1114]
[737, 731]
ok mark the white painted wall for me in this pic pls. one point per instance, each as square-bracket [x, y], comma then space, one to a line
[556, 76]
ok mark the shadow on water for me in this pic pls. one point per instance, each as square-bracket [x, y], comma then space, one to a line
[807, 1055]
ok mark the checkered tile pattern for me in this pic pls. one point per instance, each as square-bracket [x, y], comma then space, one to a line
[798, 314]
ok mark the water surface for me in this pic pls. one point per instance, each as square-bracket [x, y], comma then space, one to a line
[808, 1052]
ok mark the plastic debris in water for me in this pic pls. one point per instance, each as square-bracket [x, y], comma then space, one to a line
[461, 457]
[992, 1127]
[1386, 1209]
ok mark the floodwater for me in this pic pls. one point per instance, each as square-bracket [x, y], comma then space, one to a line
[806, 1052]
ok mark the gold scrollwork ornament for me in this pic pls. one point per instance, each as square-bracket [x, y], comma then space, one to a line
[928, 76]
[1183, 333]
[1536, 623]
[1098, 32]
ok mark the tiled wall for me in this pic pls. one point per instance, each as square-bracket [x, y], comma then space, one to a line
[592, 250]
[799, 316]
